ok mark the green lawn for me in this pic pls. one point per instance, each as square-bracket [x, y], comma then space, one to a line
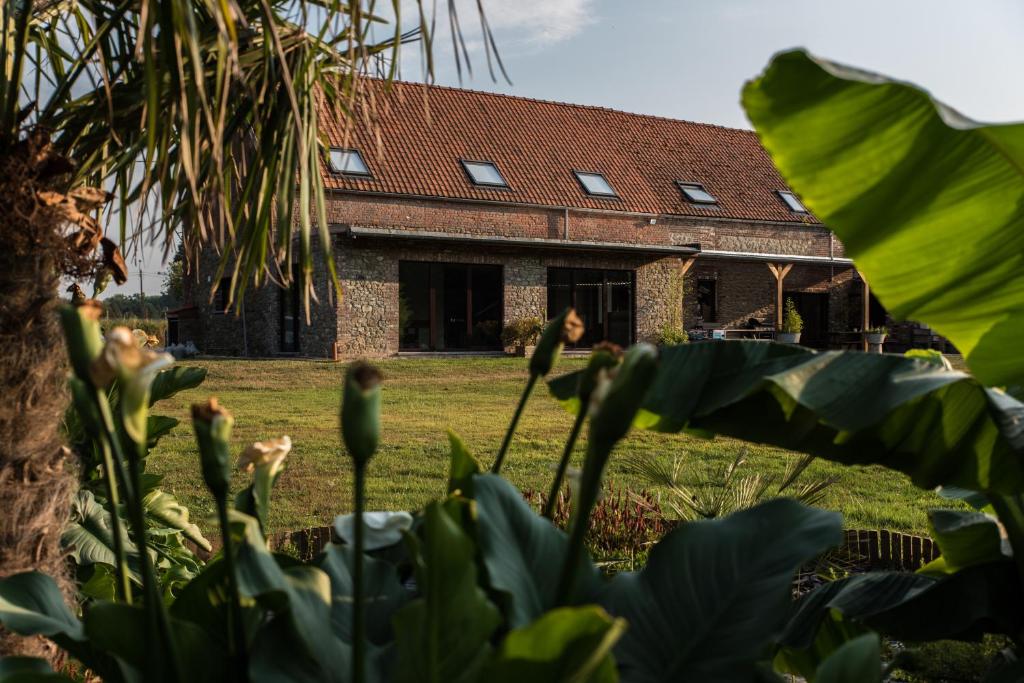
[475, 397]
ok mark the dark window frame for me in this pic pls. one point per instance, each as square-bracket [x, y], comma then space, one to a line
[782, 194]
[573, 275]
[292, 291]
[349, 150]
[472, 181]
[435, 322]
[577, 173]
[683, 184]
[713, 280]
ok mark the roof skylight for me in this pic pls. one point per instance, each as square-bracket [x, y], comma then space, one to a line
[484, 173]
[696, 194]
[595, 184]
[792, 202]
[348, 161]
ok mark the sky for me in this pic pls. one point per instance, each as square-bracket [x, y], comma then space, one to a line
[688, 59]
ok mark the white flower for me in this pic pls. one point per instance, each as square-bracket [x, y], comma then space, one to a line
[135, 368]
[270, 453]
[381, 529]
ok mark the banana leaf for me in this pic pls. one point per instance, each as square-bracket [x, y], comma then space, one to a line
[929, 204]
[938, 426]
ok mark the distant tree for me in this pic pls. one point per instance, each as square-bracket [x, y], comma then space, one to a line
[173, 283]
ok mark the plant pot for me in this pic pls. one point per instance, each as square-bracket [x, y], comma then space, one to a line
[787, 337]
[523, 350]
[877, 339]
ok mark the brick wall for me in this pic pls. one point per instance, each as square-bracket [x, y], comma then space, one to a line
[364, 320]
[468, 218]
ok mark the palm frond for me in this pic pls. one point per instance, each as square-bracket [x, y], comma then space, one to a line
[204, 115]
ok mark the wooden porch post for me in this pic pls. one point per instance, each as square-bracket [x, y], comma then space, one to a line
[865, 311]
[780, 272]
[684, 267]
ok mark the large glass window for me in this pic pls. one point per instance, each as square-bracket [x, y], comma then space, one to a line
[448, 306]
[602, 298]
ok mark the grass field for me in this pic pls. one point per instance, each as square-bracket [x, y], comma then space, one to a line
[475, 397]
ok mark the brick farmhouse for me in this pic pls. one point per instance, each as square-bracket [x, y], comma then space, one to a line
[464, 211]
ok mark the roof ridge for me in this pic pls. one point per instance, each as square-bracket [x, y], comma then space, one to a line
[539, 100]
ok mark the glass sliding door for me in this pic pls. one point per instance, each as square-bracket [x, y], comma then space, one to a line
[602, 298]
[449, 307]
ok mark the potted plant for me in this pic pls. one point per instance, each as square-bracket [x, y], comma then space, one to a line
[792, 324]
[877, 335]
[520, 336]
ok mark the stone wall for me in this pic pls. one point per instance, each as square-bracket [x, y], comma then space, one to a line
[367, 324]
[256, 330]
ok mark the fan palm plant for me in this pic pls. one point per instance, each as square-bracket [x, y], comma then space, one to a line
[183, 119]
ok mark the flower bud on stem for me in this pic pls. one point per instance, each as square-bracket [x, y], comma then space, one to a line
[604, 357]
[212, 424]
[613, 406]
[360, 432]
[567, 328]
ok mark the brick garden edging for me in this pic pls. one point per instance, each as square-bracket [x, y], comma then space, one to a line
[867, 549]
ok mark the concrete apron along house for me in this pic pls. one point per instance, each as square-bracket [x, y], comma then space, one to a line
[480, 209]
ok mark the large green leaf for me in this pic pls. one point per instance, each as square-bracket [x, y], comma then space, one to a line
[89, 536]
[444, 635]
[856, 661]
[121, 630]
[939, 427]
[980, 599]
[31, 603]
[965, 538]
[382, 588]
[523, 552]
[164, 508]
[29, 670]
[566, 645]
[715, 593]
[169, 382]
[929, 204]
[299, 598]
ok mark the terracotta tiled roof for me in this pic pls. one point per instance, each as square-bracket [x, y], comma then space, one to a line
[536, 145]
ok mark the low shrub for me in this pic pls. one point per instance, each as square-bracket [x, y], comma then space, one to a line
[671, 335]
[522, 332]
[792, 322]
[156, 327]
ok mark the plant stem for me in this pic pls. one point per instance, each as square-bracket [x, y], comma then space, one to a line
[563, 465]
[114, 501]
[238, 650]
[154, 605]
[496, 468]
[580, 524]
[590, 486]
[358, 618]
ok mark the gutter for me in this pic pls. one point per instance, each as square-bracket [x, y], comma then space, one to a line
[357, 231]
[784, 258]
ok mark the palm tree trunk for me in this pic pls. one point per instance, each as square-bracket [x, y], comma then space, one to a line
[36, 481]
